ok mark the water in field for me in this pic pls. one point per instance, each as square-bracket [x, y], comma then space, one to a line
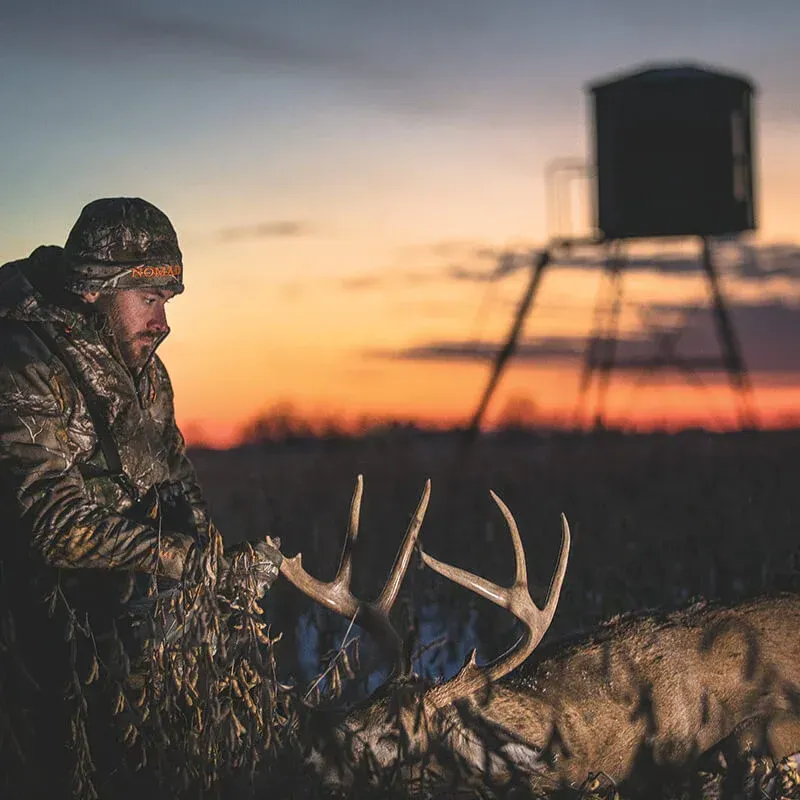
[445, 641]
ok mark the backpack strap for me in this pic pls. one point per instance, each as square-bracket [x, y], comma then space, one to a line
[106, 441]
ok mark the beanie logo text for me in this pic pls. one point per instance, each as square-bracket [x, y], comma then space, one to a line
[156, 272]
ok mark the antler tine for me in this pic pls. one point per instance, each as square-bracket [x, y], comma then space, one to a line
[344, 572]
[389, 592]
[556, 582]
[516, 598]
[499, 595]
[337, 596]
[521, 576]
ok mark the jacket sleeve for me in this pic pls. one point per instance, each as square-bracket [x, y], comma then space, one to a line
[48, 497]
[182, 474]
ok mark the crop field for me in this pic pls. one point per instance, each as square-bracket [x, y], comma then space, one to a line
[656, 520]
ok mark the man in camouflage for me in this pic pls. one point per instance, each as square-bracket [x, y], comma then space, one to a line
[98, 495]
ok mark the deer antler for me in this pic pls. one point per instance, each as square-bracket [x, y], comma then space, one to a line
[337, 596]
[516, 598]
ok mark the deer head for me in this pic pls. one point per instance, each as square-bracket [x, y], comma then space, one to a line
[409, 720]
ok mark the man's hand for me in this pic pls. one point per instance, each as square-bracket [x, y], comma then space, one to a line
[174, 551]
[251, 566]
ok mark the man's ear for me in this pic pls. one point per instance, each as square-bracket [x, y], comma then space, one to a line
[90, 297]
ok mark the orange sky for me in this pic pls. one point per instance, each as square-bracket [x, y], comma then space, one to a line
[327, 166]
[320, 344]
[305, 311]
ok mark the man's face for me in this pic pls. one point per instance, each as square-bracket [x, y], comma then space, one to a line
[138, 319]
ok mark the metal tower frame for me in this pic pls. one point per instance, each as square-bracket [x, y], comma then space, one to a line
[600, 356]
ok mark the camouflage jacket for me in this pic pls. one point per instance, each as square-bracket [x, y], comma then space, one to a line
[61, 508]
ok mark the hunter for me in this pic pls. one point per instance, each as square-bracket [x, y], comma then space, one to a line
[97, 495]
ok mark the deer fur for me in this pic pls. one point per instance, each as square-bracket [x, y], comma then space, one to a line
[641, 698]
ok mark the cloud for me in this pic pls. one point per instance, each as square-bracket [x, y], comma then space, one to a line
[744, 265]
[387, 279]
[454, 249]
[768, 333]
[276, 38]
[558, 348]
[472, 261]
[359, 283]
[771, 260]
[293, 292]
[366, 282]
[744, 261]
[506, 262]
[279, 229]
[101, 27]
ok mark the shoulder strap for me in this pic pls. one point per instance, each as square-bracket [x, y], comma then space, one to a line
[104, 438]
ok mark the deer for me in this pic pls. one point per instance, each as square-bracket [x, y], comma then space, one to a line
[642, 697]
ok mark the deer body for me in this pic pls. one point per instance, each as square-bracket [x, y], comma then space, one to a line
[640, 698]
[643, 695]
[655, 691]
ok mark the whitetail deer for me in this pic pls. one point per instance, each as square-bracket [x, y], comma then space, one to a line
[643, 695]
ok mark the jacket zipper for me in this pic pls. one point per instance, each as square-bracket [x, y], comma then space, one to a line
[137, 378]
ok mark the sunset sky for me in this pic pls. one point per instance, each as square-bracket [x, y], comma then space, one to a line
[344, 175]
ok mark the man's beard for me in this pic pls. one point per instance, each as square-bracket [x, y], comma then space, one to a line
[136, 350]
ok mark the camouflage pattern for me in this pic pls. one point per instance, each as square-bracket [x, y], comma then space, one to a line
[122, 243]
[58, 495]
[101, 516]
[94, 543]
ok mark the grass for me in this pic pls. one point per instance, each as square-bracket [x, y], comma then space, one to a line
[656, 521]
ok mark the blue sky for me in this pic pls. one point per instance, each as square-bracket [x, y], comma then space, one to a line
[186, 98]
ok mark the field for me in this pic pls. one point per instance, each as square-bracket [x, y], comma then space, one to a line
[657, 520]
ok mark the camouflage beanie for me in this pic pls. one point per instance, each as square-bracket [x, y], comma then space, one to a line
[122, 243]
